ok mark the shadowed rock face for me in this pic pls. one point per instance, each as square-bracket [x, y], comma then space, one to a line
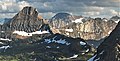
[109, 50]
[26, 20]
[46, 27]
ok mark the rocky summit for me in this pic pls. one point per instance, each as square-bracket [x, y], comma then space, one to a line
[26, 20]
[61, 20]
[109, 50]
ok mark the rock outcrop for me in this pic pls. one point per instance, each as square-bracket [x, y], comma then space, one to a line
[109, 50]
[26, 20]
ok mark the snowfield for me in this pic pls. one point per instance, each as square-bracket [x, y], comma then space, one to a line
[57, 41]
[23, 33]
[60, 41]
[69, 30]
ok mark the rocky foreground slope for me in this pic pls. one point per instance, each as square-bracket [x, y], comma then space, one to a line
[109, 50]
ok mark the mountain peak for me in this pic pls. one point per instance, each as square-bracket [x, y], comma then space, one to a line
[61, 15]
[26, 20]
[62, 19]
[28, 10]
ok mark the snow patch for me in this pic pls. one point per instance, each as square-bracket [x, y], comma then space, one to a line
[2, 31]
[23, 33]
[105, 20]
[58, 47]
[48, 40]
[102, 52]
[69, 30]
[117, 21]
[74, 56]
[48, 47]
[109, 31]
[96, 59]
[87, 50]
[67, 33]
[62, 42]
[57, 41]
[39, 32]
[1, 43]
[92, 59]
[82, 43]
[83, 53]
[5, 47]
[5, 39]
[78, 20]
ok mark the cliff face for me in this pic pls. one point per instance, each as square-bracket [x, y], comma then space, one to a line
[95, 29]
[87, 28]
[109, 50]
[26, 20]
[83, 27]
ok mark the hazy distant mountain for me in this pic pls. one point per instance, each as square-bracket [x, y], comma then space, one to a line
[116, 19]
[4, 20]
[61, 20]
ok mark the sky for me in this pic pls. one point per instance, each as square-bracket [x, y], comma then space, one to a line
[48, 8]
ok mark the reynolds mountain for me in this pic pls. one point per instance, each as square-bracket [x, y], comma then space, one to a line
[26, 20]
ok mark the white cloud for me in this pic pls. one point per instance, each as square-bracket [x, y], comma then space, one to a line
[92, 13]
[47, 15]
[48, 8]
[12, 5]
[115, 0]
[93, 8]
[23, 4]
[7, 15]
[113, 12]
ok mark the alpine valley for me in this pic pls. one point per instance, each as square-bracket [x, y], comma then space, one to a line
[64, 37]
